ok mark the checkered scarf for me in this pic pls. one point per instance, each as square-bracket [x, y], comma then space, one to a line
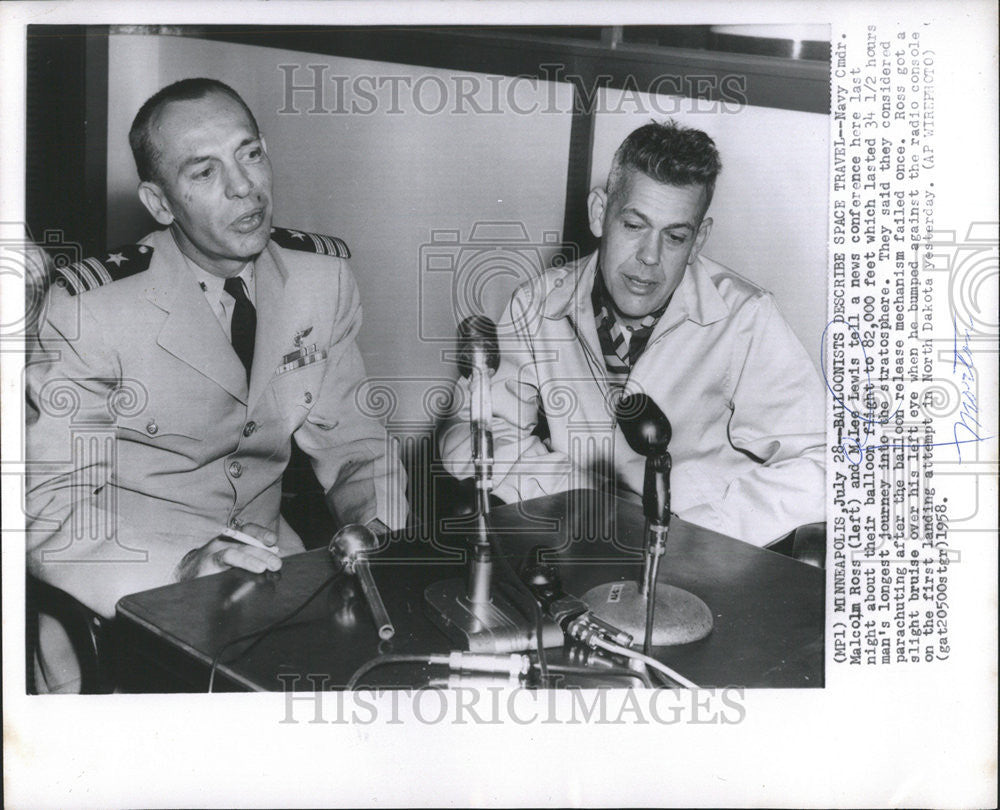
[621, 345]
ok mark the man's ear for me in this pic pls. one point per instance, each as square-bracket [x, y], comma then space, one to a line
[597, 204]
[700, 238]
[156, 202]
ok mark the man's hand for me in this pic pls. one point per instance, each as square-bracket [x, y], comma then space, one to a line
[220, 554]
[377, 526]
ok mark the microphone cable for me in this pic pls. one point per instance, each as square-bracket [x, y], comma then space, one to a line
[519, 584]
[620, 672]
[512, 665]
[262, 633]
[618, 649]
[391, 658]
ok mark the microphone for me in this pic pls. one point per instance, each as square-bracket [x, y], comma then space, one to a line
[478, 359]
[349, 548]
[469, 611]
[647, 431]
[477, 345]
[668, 614]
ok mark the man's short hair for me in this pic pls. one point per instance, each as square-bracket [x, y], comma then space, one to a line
[140, 137]
[668, 153]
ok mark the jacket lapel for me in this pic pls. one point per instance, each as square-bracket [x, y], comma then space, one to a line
[191, 332]
[697, 300]
[573, 301]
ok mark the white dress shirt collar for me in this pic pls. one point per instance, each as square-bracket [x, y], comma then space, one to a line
[219, 300]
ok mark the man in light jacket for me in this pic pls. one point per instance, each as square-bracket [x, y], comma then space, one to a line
[648, 312]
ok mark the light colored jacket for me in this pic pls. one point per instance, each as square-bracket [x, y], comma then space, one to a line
[742, 396]
[145, 441]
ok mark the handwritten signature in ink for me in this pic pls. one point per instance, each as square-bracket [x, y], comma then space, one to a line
[853, 447]
[969, 409]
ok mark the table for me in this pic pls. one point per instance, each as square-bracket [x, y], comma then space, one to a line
[768, 608]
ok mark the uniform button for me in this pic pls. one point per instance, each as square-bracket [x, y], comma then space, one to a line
[309, 397]
[235, 469]
[235, 523]
[249, 428]
[151, 427]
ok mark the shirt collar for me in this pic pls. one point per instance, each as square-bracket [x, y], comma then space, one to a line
[601, 300]
[212, 284]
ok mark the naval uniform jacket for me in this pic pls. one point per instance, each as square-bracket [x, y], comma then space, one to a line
[144, 440]
[742, 396]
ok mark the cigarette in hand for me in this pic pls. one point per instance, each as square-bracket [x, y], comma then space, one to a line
[247, 539]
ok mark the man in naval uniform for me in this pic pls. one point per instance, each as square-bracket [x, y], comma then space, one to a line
[172, 374]
[649, 313]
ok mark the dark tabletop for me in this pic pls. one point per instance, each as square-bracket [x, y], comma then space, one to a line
[768, 609]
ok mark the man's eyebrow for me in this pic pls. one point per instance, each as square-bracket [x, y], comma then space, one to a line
[191, 161]
[671, 227]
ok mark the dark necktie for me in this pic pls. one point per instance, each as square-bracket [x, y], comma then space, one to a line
[244, 323]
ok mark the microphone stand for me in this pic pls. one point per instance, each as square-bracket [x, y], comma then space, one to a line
[470, 611]
[657, 472]
[660, 614]
[481, 564]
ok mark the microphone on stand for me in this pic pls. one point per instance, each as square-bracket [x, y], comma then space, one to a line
[647, 431]
[478, 360]
[672, 616]
[350, 547]
[470, 611]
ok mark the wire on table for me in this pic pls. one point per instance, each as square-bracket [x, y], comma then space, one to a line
[448, 659]
[262, 633]
[519, 583]
[621, 672]
[392, 658]
[646, 659]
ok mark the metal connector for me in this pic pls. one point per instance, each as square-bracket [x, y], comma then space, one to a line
[588, 629]
[610, 632]
[513, 665]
